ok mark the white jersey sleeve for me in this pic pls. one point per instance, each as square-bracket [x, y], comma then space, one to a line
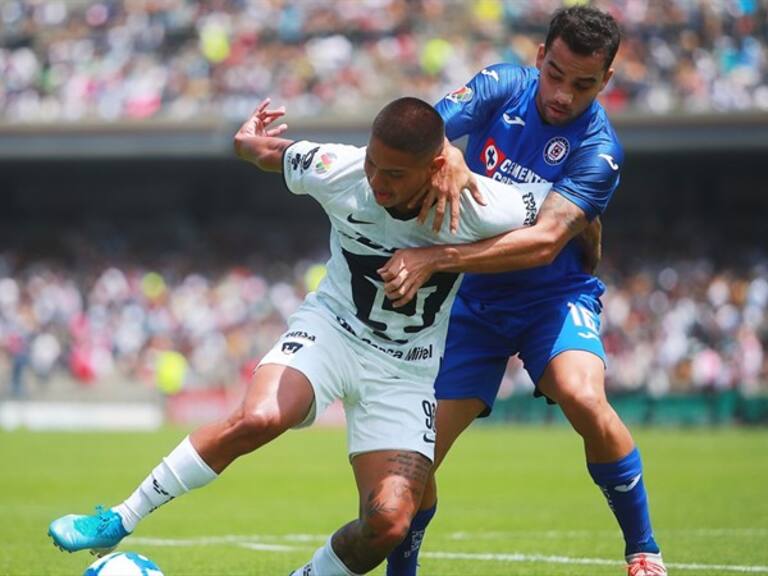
[508, 206]
[321, 170]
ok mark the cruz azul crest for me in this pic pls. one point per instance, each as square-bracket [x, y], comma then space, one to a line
[556, 150]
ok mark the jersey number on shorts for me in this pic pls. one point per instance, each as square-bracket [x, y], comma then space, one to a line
[583, 318]
[373, 306]
[430, 411]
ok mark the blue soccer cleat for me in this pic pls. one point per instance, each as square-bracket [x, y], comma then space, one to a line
[100, 532]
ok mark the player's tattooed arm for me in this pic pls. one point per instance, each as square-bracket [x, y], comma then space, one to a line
[590, 242]
[588, 234]
[559, 220]
[257, 143]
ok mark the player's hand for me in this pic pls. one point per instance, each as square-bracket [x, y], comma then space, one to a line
[445, 188]
[259, 122]
[405, 272]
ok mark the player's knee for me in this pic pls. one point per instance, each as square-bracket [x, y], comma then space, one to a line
[388, 529]
[258, 423]
[580, 397]
[387, 521]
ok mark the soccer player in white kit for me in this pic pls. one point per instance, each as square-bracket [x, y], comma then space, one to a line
[346, 341]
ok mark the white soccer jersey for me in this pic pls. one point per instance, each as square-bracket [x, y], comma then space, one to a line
[364, 236]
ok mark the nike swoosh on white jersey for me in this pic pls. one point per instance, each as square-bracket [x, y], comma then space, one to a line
[513, 120]
[492, 73]
[628, 487]
[611, 162]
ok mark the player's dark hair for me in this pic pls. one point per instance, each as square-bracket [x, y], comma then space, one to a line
[585, 31]
[410, 125]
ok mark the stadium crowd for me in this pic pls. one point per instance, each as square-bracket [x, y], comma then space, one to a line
[673, 327]
[179, 59]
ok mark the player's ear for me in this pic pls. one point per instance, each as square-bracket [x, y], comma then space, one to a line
[540, 56]
[606, 78]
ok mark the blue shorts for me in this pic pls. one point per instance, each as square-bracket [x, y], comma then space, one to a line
[482, 337]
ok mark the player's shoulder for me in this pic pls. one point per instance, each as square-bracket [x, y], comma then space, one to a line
[507, 75]
[323, 161]
[322, 158]
[322, 169]
[600, 136]
[507, 206]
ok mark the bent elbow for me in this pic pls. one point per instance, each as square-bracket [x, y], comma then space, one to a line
[548, 250]
[546, 256]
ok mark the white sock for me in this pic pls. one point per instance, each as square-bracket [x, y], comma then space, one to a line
[324, 563]
[181, 471]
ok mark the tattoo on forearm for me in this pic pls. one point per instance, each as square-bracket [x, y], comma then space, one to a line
[564, 211]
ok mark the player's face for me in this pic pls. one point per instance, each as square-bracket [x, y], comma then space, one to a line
[395, 176]
[569, 82]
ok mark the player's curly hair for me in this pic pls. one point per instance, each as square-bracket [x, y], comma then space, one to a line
[410, 125]
[586, 31]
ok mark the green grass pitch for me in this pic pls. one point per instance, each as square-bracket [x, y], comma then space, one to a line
[514, 501]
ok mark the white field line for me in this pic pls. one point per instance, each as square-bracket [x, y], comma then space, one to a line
[584, 534]
[541, 558]
[260, 543]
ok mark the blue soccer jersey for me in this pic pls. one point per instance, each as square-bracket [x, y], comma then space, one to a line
[509, 141]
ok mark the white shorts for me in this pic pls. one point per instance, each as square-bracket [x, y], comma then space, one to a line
[385, 408]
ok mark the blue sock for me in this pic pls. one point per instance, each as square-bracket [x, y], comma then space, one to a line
[622, 484]
[403, 560]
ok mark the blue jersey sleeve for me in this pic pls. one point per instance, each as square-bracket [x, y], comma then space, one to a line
[592, 175]
[472, 106]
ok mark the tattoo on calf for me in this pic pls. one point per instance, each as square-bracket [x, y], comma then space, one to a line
[355, 543]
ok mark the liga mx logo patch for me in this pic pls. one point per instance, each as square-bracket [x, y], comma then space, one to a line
[325, 162]
[461, 95]
[556, 150]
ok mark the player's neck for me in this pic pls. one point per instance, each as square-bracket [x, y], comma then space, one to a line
[403, 213]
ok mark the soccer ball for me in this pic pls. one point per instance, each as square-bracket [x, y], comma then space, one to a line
[123, 564]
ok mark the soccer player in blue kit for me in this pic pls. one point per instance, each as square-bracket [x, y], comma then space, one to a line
[534, 297]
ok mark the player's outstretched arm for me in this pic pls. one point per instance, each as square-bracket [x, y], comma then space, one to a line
[446, 188]
[558, 221]
[258, 144]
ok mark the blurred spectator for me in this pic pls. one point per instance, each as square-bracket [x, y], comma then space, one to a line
[180, 59]
[678, 326]
[682, 326]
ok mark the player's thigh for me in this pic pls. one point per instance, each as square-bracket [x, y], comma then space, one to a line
[562, 348]
[478, 346]
[280, 394]
[312, 359]
[453, 417]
